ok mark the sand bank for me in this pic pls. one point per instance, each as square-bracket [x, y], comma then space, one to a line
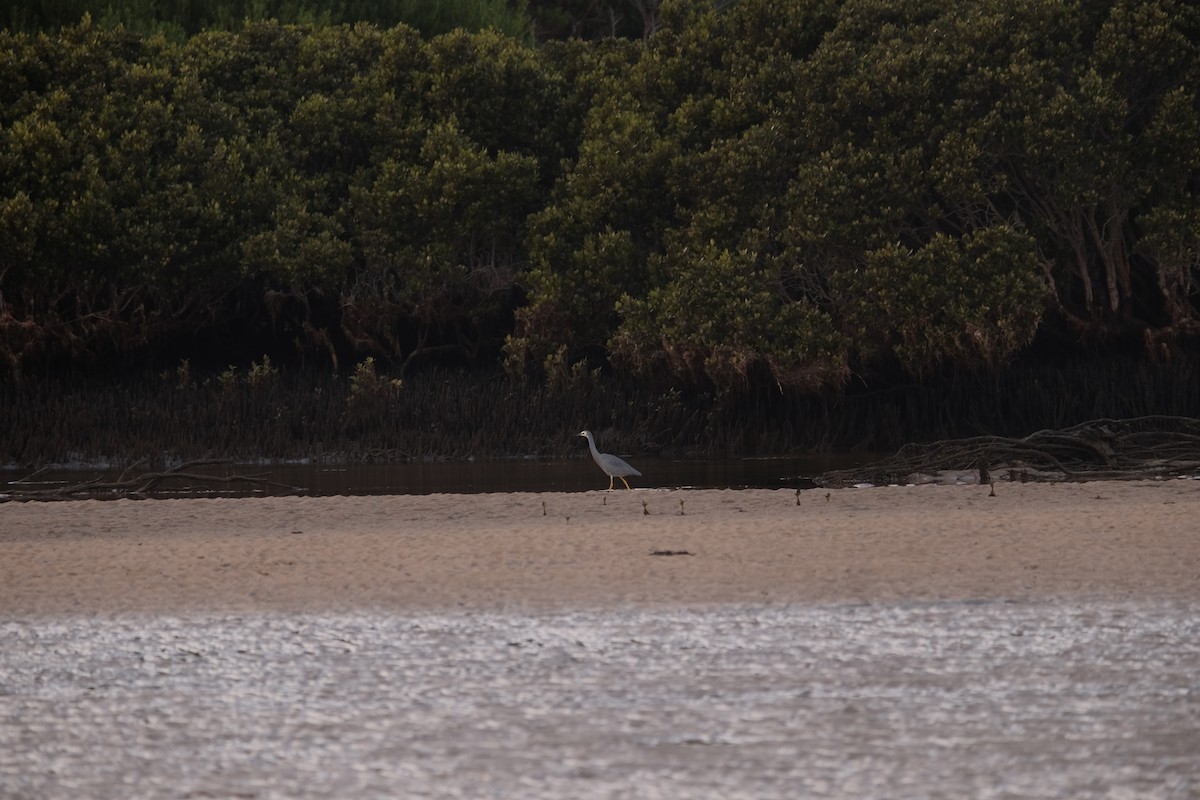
[547, 550]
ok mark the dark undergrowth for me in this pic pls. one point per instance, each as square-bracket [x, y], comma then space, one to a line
[265, 413]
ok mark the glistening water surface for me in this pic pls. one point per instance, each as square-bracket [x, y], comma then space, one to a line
[988, 700]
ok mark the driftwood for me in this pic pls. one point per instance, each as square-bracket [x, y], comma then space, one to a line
[1141, 447]
[184, 478]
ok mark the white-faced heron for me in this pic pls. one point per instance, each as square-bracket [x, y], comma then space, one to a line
[613, 467]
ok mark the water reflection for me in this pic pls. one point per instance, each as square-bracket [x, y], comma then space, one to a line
[518, 475]
[556, 476]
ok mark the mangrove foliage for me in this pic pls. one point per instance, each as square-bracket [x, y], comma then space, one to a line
[766, 193]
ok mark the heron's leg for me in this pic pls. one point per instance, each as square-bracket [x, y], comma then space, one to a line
[627, 486]
[610, 482]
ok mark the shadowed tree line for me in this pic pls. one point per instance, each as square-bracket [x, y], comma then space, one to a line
[776, 200]
[262, 411]
[178, 19]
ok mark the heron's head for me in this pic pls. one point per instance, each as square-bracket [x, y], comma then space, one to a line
[586, 434]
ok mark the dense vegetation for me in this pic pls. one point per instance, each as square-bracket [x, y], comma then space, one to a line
[780, 193]
[179, 19]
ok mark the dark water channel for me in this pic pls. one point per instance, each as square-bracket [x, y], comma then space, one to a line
[516, 475]
[534, 475]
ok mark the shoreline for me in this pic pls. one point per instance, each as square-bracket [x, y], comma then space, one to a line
[554, 550]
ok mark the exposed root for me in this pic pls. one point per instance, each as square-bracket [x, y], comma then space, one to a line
[180, 479]
[1141, 447]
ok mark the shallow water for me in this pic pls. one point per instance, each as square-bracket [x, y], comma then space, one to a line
[465, 477]
[988, 700]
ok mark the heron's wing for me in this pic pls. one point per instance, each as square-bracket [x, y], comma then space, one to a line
[617, 466]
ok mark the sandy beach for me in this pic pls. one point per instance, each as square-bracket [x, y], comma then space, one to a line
[929, 641]
[539, 551]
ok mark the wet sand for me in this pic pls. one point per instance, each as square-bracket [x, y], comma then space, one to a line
[547, 551]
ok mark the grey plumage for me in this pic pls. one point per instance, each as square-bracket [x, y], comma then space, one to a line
[613, 467]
